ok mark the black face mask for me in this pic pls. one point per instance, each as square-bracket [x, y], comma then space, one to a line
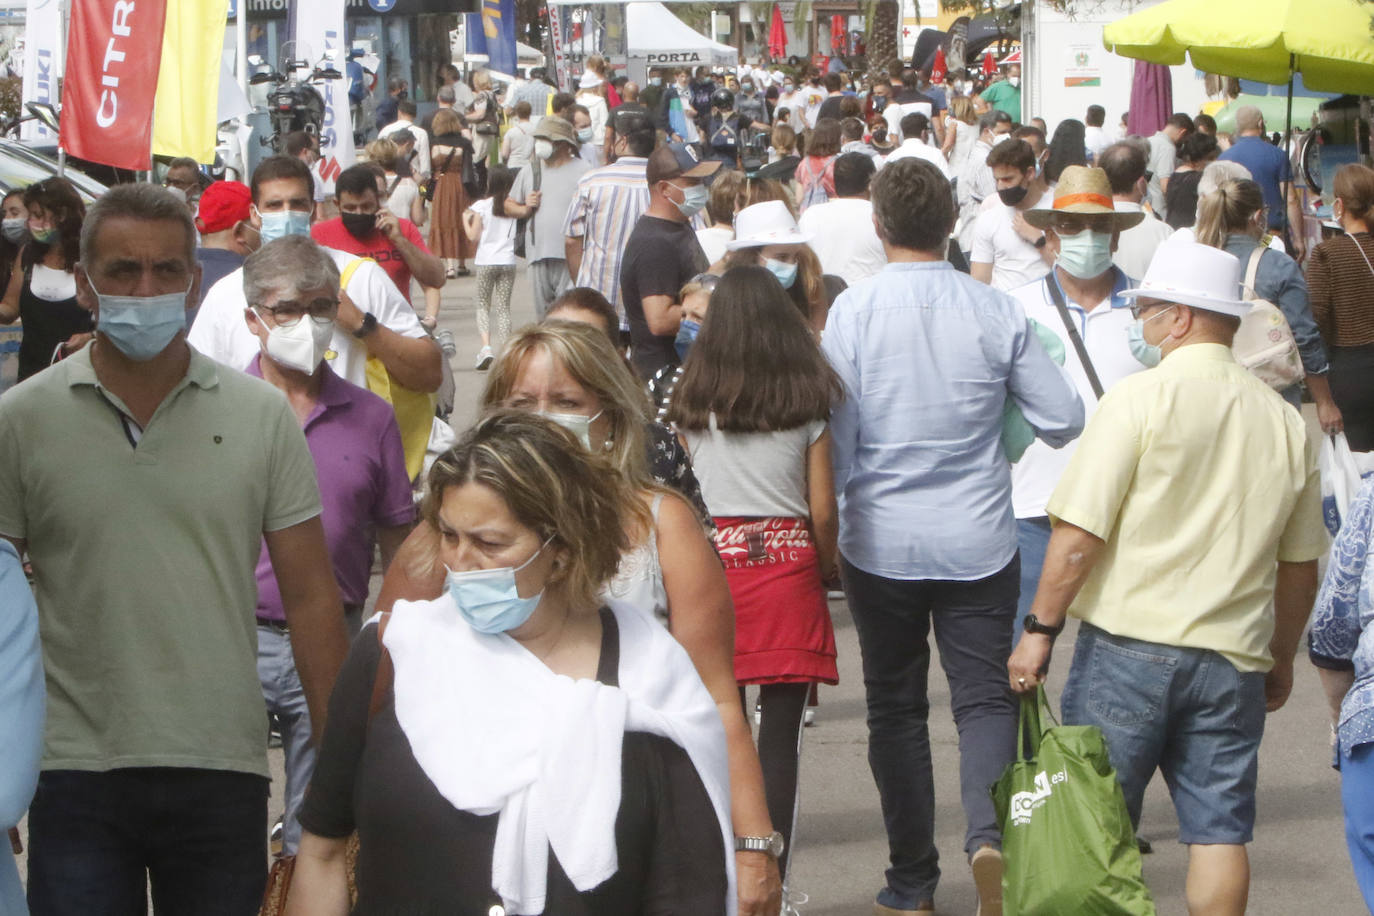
[359, 225]
[879, 102]
[1013, 196]
[402, 95]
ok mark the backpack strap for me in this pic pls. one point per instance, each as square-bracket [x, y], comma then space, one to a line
[349, 270]
[386, 672]
[1252, 271]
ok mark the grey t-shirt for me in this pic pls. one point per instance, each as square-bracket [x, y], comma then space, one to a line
[1163, 161]
[557, 187]
[757, 475]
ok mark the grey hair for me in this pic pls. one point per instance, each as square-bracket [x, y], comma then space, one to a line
[1216, 174]
[447, 96]
[141, 201]
[286, 266]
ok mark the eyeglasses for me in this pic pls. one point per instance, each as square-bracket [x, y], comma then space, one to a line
[1073, 223]
[1140, 305]
[288, 313]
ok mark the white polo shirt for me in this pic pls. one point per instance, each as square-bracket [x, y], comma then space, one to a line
[221, 332]
[1015, 261]
[1103, 330]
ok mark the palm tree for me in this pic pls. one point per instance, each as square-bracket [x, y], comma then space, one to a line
[882, 37]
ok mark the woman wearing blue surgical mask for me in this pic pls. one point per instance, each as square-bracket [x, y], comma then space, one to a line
[766, 235]
[601, 786]
[753, 406]
[41, 291]
[571, 374]
[15, 232]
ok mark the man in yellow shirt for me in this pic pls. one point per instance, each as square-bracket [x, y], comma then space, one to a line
[1193, 501]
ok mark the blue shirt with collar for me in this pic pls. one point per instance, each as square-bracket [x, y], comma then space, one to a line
[928, 357]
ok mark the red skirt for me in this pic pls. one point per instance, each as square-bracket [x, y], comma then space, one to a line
[783, 632]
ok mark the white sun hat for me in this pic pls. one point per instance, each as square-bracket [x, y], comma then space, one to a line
[767, 223]
[1196, 275]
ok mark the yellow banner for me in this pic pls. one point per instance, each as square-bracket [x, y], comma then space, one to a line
[187, 103]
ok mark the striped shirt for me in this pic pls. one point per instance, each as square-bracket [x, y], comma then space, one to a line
[608, 203]
[1340, 280]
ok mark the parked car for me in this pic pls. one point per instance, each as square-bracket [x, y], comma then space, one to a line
[22, 165]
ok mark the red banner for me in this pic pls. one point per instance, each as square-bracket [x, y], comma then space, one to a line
[113, 53]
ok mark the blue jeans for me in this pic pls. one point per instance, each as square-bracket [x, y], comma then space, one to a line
[96, 840]
[281, 688]
[972, 624]
[1357, 797]
[1032, 538]
[1189, 712]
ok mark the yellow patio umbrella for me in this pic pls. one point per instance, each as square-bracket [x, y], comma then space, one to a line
[1327, 41]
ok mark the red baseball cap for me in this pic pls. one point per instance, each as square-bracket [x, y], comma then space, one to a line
[222, 205]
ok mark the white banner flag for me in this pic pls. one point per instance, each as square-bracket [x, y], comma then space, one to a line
[322, 42]
[42, 63]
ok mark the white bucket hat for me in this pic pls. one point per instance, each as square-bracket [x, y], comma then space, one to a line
[767, 223]
[1196, 275]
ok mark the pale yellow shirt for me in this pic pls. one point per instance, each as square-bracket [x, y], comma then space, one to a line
[1200, 479]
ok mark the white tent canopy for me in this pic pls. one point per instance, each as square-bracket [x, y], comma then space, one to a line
[657, 38]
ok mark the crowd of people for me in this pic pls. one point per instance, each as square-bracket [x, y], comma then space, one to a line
[797, 336]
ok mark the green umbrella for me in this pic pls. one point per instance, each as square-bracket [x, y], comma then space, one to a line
[1271, 106]
[1327, 41]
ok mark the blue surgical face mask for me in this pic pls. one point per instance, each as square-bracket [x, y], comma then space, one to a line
[785, 272]
[686, 336]
[1147, 353]
[655, 81]
[281, 223]
[693, 199]
[488, 598]
[141, 327]
[1086, 254]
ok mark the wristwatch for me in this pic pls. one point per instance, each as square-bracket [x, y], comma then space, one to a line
[772, 845]
[368, 326]
[1032, 625]
[1040, 242]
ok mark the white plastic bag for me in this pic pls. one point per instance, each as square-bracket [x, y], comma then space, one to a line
[1342, 471]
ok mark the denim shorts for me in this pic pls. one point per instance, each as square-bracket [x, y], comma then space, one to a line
[1188, 712]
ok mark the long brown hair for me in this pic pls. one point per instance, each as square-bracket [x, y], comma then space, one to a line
[60, 201]
[755, 364]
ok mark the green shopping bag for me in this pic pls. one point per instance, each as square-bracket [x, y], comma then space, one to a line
[1067, 841]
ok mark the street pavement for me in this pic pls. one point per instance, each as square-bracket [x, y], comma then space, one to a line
[1299, 862]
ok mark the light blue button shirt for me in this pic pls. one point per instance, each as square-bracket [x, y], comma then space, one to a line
[21, 714]
[928, 357]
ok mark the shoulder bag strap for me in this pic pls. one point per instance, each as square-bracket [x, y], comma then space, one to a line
[1057, 296]
[386, 673]
[1360, 249]
[1252, 271]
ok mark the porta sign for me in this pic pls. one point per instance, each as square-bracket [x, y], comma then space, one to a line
[112, 64]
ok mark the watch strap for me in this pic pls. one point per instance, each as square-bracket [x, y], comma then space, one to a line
[368, 326]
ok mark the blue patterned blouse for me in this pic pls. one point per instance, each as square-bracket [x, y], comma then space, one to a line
[1341, 638]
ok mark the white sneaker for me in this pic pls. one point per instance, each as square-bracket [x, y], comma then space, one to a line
[484, 358]
[809, 717]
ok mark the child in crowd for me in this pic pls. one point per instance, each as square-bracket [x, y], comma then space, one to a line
[486, 220]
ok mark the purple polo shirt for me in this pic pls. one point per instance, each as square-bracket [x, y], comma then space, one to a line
[361, 467]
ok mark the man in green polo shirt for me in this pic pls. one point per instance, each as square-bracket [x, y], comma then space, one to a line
[1005, 95]
[142, 477]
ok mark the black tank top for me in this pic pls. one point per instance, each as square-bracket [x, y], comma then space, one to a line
[46, 324]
